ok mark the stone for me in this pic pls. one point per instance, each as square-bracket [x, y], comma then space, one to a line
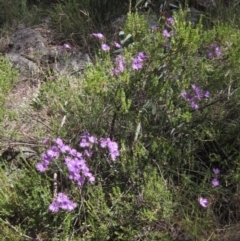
[31, 54]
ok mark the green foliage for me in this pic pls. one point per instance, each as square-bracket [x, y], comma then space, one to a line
[11, 9]
[14, 12]
[157, 199]
[7, 77]
[111, 214]
[71, 17]
[24, 199]
[168, 148]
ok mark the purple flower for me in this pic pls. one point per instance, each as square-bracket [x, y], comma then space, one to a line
[203, 202]
[114, 71]
[187, 96]
[77, 168]
[53, 152]
[190, 99]
[210, 54]
[88, 153]
[84, 143]
[117, 45]
[46, 158]
[62, 202]
[85, 170]
[154, 28]
[206, 94]
[73, 165]
[59, 142]
[170, 20]
[214, 51]
[105, 47]
[166, 33]
[112, 147]
[141, 56]
[64, 46]
[216, 171]
[137, 64]
[98, 35]
[215, 182]
[87, 140]
[74, 176]
[67, 46]
[104, 142]
[53, 207]
[80, 181]
[65, 148]
[92, 139]
[91, 179]
[74, 152]
[68, 205]
[218, 52]
[120, 65]
[62, 147]
[194, 105]
[114, 154]
[198, 92]
[45, 140]
[41, 166]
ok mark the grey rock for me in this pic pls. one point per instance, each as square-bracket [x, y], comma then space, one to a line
[31, 55]
[29, 42]
[71, 62]
[26, 67]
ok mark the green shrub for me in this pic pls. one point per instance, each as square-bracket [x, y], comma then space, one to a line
[175, 115]
[77, 19]
[7, 77]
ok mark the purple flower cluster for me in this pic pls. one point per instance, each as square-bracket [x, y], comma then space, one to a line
[169, 22]
[137, 63]
[112, 147]
[87, 142]
[75, 162]
[120, 63]
[166, 33]
[214, 51]
[104, 46]
[196, 95]
[51, 153]
[62, 202]
[168, 27]
[215, 182]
